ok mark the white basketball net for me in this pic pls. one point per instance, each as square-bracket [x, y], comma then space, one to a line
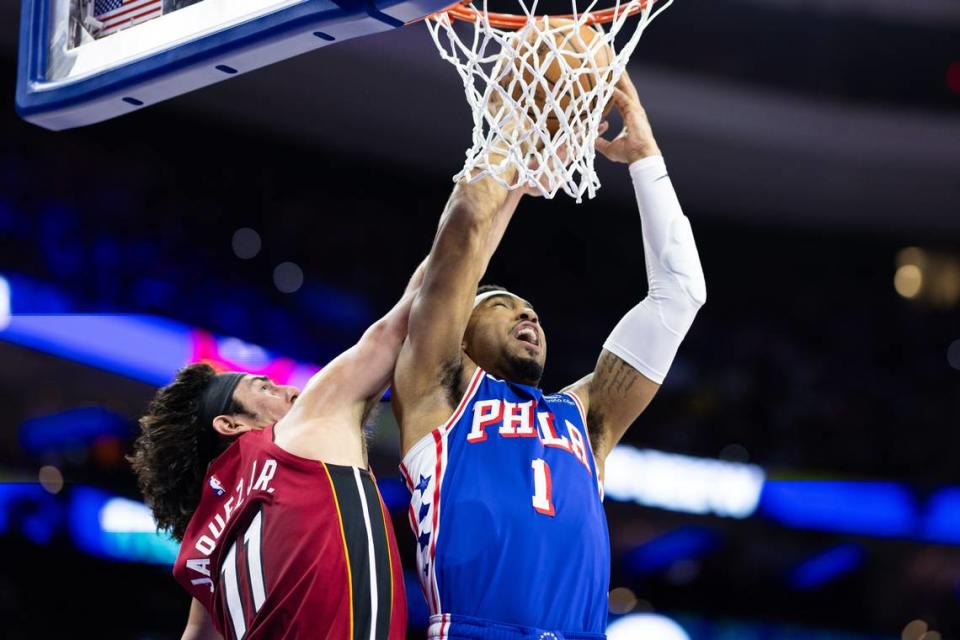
[522, 121]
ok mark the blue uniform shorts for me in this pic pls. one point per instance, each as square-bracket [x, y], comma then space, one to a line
[454, 627]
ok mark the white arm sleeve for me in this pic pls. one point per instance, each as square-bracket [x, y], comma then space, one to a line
[647, 338]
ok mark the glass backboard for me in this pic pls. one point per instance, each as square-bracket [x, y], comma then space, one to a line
[84, 61]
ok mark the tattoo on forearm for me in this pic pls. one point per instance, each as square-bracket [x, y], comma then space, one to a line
[614, 376]
[613, 379]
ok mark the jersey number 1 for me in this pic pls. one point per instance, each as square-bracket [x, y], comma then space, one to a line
[542, 488]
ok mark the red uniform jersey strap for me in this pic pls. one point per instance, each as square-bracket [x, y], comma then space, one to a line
[285, 546]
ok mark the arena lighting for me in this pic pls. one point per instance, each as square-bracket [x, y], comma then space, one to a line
[912, 256]
[31, 296]
[702, 627]
[695, 485]
[51, 479]
[684, 543]
[645, 626]
[116, 528]
[682, 483]
[622, 600]
[121, 529]
[882, 509]
[931, 276]
[5, 305]
[908, 281]
[246, 243]
[146, 348]
[149, 348]
[143, 348]
[120, 515]
[942, 521]
[714, 628]
[953, 354]
[826, 567]
[288, 277]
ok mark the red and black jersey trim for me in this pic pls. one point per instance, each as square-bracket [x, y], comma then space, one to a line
[367, 543]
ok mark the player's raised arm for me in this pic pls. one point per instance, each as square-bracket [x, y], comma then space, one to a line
[472, 224]
[637, 355]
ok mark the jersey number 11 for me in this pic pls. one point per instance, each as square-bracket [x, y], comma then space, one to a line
[252, 541]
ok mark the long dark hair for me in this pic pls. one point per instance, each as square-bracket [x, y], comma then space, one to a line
[171, 454]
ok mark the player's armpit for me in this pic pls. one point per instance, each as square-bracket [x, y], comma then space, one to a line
[615, 395]
[199, 625]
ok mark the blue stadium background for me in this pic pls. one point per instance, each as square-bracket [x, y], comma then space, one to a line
[267, 220]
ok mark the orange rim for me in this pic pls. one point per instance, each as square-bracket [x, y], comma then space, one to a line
[467, 13]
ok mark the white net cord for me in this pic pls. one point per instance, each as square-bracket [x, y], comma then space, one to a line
[538, 93]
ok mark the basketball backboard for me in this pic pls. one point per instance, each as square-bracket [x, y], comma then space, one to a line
[85, 61]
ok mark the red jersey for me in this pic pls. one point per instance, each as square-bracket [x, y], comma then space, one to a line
[283, 546]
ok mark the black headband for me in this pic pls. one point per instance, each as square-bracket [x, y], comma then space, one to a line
[218, 396]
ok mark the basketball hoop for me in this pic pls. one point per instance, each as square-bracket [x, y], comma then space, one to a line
[466, 12]
[538, 86]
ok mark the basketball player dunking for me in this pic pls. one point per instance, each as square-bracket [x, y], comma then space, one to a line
[283, 530]
[505, 481]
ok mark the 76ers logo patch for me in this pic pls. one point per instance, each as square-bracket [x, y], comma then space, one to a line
[216, 486]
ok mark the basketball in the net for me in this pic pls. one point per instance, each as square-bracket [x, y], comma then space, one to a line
[573, 56]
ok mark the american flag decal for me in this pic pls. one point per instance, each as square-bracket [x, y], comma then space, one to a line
[120, 14]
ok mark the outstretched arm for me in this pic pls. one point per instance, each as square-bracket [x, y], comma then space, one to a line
[470, 229]
[637, 355]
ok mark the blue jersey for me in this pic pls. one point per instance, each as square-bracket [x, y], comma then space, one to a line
[507, 509]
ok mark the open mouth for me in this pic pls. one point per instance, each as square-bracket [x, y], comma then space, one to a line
[526, 332]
